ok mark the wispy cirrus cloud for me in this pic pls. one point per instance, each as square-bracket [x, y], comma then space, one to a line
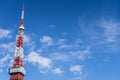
[68, 46]
[61, 41]
[81, 54]
[78, 72]
[62, 51]
[27, 39]
[5, 33]
[60, 57]
[44, 64]
[102, 27]
[76, 68]
[111, 29]
[3, 60]
[46, 40]
[9, 47]
[69, 53]
[51, 26]
[29, 42]
[7, 54]
[57, 71]
[100, 32]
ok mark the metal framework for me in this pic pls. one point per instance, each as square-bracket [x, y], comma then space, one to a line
[17, 70]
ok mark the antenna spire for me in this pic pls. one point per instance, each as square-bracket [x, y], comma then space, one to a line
[22, 18]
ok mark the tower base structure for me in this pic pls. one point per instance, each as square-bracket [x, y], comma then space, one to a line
[17, 73]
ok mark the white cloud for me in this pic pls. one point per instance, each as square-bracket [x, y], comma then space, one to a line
[4, 33]
[8, 46]
[61, 41]
[77, 71]
[69, 46]
[101, 32]
[81, 54]
[65, 46]
[3, 60]
[43, 63]
[76, 68]
[28, 42]
[46, 40]
[60, 57]
[26, 39]
[111, 29]
[76, 78]
[78, 41]
[51, 26]
[57, 71]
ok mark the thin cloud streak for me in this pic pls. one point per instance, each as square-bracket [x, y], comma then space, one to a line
[100, 32]
[111, 29]
[5, 33]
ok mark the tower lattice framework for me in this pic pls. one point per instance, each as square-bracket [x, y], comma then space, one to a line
[17, 70]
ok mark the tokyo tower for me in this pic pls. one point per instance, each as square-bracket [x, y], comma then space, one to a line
[17, 71]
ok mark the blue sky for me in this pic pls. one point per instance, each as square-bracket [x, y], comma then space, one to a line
[64, 39]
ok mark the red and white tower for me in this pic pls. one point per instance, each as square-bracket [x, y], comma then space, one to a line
[17, 70]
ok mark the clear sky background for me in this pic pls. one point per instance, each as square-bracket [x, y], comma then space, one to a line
[64, 39]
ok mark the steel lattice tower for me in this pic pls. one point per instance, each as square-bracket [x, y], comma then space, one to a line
[17, 70]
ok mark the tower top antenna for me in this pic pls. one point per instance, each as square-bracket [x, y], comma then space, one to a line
[22, 18]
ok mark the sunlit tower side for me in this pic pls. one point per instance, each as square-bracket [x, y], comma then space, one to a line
[17, 70]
